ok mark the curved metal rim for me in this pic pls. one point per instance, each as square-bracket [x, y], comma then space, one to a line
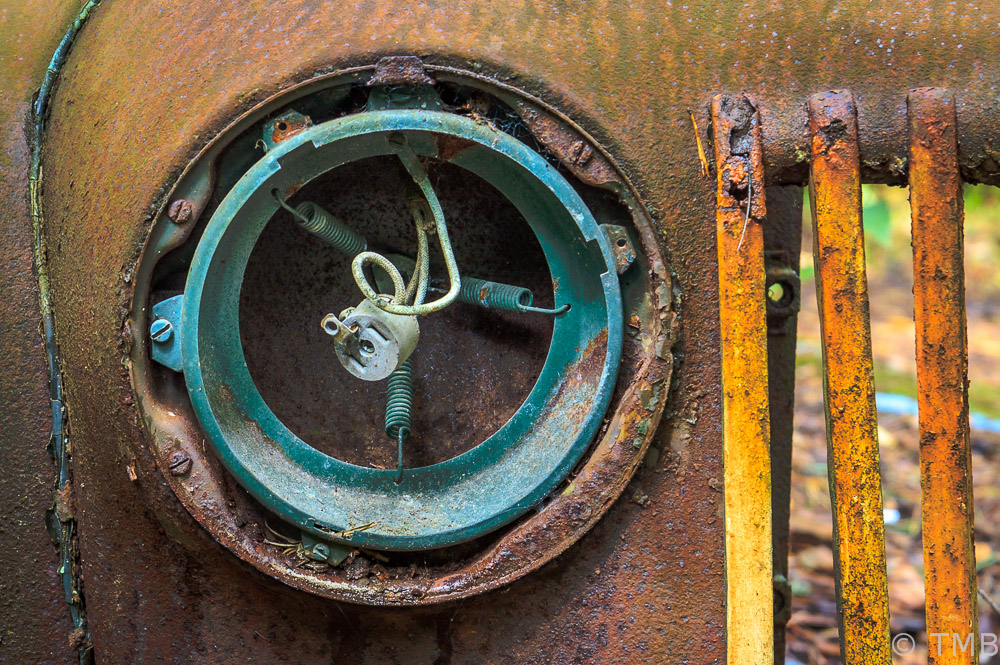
[275, 498]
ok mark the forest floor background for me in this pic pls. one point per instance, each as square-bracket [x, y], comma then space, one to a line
[812, 629]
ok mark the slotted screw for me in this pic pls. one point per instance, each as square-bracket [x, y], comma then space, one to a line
[180, 211]
[160, 331]
[179, 463]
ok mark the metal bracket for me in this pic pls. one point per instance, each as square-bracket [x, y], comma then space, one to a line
[324, 550]
[458, 499]
[284, 127]
[783, 292]
[165, 333]
[621, 246]
[400, 70]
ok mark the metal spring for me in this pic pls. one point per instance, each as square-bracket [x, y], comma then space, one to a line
[321, 223]
[399, 408]
[399, 400]
[494, 295]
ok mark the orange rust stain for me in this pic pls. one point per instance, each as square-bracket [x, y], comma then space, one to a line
[851, 426]
[737, 172]
[745, 412]
[286, 129]
[942, 375]
[449, 147]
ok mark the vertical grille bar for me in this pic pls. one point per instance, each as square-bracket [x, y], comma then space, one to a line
[942, 375]
[851, 428]
[745, 420]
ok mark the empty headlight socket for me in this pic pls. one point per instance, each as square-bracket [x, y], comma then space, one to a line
[526, 426]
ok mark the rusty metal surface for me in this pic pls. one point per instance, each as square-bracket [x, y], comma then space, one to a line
[440, 575]
[851, 427]
[400, 70]
[565, 606]
[35, 624]
[740, 213]
[646, 584]
[942, 376]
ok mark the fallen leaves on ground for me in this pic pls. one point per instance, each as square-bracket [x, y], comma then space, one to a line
[812, 637]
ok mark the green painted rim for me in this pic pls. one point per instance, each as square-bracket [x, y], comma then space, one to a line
[460, 498]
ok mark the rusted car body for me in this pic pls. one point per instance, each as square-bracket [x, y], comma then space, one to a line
[671, 546]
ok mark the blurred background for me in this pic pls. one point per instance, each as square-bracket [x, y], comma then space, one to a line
[812, 629]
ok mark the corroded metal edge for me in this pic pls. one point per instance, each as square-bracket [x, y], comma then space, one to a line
[654, 153]
[740, 212]
[942, 377]
[61, 519]
[851, 426]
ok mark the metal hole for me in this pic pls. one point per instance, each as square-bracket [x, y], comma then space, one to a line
[780, 294]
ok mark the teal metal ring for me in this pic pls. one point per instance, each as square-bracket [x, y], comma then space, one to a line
[460, 498]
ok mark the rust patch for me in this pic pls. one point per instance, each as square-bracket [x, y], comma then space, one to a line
[851, 426]
[745, 423]
[942, 376]
[568, 146]
[400, 70]
[739, 157]
[65, 507]
[449, 147]
[289, 125]
[78, 639]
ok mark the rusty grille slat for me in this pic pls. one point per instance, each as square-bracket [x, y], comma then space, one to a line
[746, 427]
[852, 431]
[942, 376]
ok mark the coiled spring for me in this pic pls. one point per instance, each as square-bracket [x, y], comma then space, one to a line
[502, 297]
[321, 223]
[398, 409]
[494, 295]
[337, 234]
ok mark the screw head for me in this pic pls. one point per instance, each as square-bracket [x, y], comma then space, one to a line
[161, 330]
[581, 153]
[180, 211]
[321, 551]
[179, 463]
